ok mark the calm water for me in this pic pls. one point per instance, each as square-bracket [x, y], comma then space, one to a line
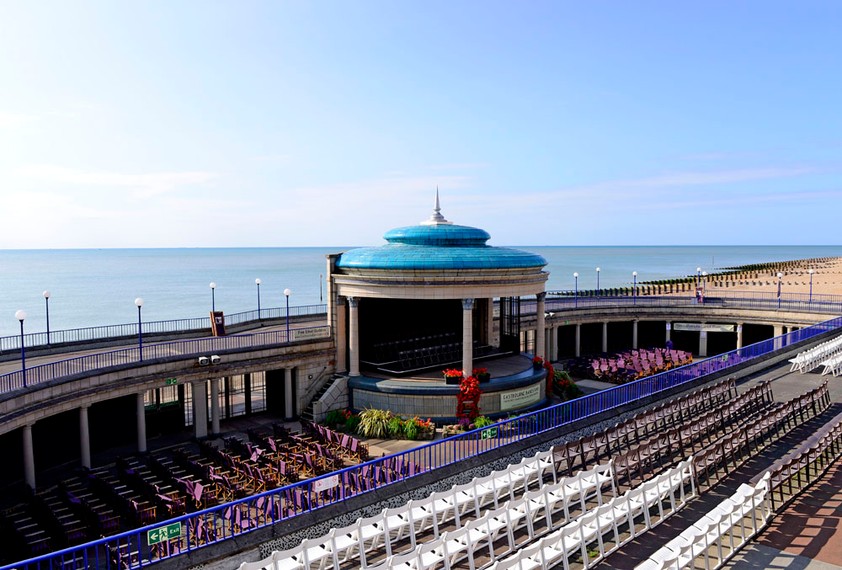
[98, 286]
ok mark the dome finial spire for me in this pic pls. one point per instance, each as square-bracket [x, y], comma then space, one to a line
[436, 218]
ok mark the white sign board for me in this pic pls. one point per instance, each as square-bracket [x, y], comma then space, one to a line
[327, 483]
[520, 398]
[706, 327]
[311, 333]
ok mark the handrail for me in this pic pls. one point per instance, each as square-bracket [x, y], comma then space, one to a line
[104, 332]
[305, 496]
[102, 361]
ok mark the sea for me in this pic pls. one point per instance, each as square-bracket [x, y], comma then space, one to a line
[92, 287]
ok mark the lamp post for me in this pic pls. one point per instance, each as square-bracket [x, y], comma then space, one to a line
[576, 289]
[46, 295]
[698, 276]
[634, 288]
[258, 282]
[287, 293]
[810, 271]
[139, 303]
[20, 315]
[780, 277]
[213, 296]
[597, 282]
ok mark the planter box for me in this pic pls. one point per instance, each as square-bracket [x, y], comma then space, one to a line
[452, 379]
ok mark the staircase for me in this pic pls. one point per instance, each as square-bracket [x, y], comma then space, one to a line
[307, 412]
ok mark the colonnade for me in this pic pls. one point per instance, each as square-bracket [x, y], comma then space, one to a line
[200, 422]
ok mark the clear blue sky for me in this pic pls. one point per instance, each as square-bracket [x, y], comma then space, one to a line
[176, 123]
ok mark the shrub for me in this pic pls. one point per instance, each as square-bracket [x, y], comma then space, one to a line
[335, 417]
[374, 423]
[482, 421]
[352, 423]
[410, 429]
[396, 427]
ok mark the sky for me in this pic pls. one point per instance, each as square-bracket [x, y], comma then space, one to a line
[314, 123]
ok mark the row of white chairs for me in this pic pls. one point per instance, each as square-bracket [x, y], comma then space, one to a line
[832, 365]
[813, 357]
[598, 530]
[714, 539]
[418, 517]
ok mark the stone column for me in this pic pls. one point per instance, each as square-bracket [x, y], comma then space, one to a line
[84, 437]
[28, 457]
[140, 406]
[467, 336]
[703, 342]
[200, 408]
[739, 335]
[554, 341]
[578, 340]
[778, 332]
[289, 409]
[604, 336]
[634, 333]
[540, 349]
[214, 383]
[489, 322]
[354, 343]
[341, 339]
[669, 332]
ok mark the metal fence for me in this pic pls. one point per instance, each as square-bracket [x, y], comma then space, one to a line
[195, 325]
[103, 361]
[192, 531]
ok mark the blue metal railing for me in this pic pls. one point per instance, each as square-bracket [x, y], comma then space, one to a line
[194, 325]
[276, 505]
[102, 361]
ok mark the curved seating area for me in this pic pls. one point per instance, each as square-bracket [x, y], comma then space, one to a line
[537, 515]
[824, 354]
[629, 365]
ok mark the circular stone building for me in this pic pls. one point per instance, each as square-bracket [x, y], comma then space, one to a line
[435, 296]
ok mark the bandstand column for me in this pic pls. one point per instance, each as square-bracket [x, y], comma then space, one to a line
[703, 341]
[467, 336]
[777, 334]
[341, 339]
[554, 344]
[289, 410]
[739, 335]
[578, 352]
[540, 349]
[354, 340]
[669, 332]
[28, 457]
[214, 406]
[489, 320]
[604, 336]
[200, 408]
[84, 437]
[634, 333]
[140, 407]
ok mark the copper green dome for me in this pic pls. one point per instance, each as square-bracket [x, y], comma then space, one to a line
[438, 245]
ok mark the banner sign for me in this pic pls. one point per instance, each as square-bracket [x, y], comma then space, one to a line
[520, 398]
[706, 327]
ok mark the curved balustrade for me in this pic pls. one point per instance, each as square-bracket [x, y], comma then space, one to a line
[167, 350]
[285, 502]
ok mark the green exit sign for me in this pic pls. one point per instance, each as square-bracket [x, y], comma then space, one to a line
[171, 381]
[163, 533]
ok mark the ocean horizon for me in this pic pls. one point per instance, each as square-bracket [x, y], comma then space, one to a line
[98, 286]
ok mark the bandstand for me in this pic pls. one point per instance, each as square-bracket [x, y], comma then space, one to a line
[435, 296]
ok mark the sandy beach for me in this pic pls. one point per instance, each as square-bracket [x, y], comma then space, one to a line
[826, 278]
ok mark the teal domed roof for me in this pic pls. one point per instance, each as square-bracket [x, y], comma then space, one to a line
[438, 245]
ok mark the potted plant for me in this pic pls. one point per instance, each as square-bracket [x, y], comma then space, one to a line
[537, 362]
[482, 374]
[452, 376]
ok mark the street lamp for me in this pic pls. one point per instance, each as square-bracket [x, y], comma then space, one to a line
[20, 315]
[634, 288]
[287, 293]
[258, 282]
[810, 271]
[575, 289]
[780, 277]
[139, 303]
[698, 276]
[597, 281]
[47, 307]
[213, 296]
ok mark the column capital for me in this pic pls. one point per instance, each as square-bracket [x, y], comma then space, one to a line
[353, 302]
[541, 296]
[467, 304]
